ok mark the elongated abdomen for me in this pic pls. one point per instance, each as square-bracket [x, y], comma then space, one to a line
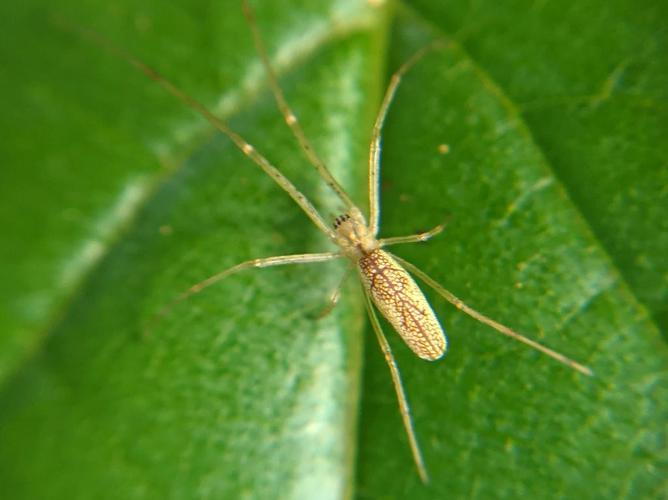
[403, 304]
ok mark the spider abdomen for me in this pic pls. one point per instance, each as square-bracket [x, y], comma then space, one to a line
[402, 303]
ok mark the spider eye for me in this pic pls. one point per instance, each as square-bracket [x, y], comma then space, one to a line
[340, 220]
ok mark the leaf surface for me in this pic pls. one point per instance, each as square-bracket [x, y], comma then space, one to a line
[116, 198]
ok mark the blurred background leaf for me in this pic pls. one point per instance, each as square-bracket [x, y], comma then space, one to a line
[538, 131]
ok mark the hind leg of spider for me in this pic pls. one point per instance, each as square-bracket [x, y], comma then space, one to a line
[404, 408]
[459, 304]
[279, 260]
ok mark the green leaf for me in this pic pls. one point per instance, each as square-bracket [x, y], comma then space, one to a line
[115, 198]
